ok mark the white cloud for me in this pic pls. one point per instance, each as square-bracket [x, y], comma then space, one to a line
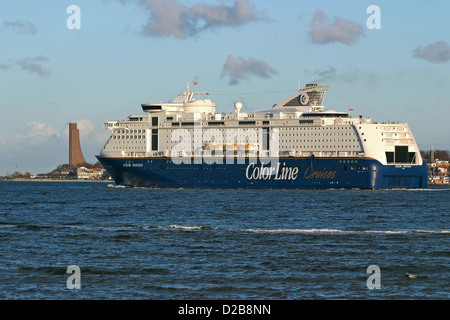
[39, 147]
[171, 18]
[33, 129]
[240, 69]
[29, 64]
[340, 30]
[438, 52]
[19, 26]
[331, 74]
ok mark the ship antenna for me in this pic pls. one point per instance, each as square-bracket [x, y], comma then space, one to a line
[187, 98]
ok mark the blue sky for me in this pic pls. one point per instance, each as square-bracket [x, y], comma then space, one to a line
[127, 52]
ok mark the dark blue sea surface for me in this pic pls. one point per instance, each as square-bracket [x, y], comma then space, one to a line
[137, 243]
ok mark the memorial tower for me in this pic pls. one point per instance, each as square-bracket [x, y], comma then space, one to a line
[76, 158]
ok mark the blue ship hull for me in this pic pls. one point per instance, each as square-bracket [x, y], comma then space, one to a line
[284, 173]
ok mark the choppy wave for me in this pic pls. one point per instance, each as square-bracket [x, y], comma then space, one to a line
[201, 227]
[116, 186]
[335, 231]
[97, 270]
[294, 230]
[304, 231]
[5, 226]
[119, 186]
[175, 227]
[189, 228]
[422, 190]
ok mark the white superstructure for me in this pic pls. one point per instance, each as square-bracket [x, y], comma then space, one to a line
[301, 125]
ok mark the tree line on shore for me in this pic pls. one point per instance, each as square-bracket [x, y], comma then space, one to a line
[443, 155]
[58, 172]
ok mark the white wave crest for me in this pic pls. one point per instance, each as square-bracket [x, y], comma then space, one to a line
[294, 230]
[433, 231]
[186, 228]
[116, 186]
[336, 231]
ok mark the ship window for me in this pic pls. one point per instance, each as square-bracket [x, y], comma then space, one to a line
[401, 154]
[247, 122]
[154, 139]
[389, 157]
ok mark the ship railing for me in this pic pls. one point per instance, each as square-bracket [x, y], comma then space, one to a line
[133, 154]
[241, 153]
[412, 162]
[110, 124]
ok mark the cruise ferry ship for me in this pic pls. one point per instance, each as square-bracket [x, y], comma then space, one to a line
[297, 143]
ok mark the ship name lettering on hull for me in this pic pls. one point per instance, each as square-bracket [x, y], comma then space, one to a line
[310, 173]
[270, 172]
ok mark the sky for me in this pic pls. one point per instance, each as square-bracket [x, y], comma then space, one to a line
[93, 61]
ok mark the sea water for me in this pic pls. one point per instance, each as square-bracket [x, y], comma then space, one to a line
[143, 243]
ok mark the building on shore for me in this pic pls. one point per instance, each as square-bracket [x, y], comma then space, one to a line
[88, 173]
[438, 172]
